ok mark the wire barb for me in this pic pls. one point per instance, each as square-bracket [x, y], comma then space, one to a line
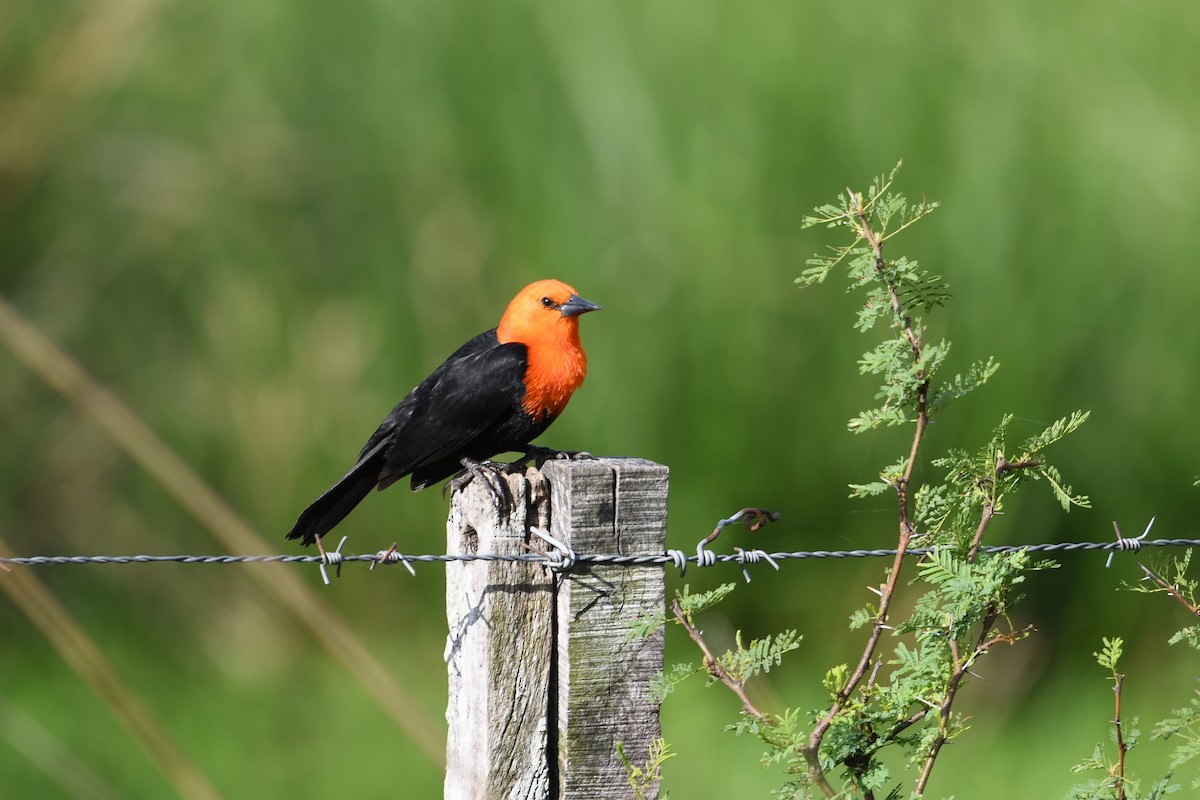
[679, 559]
[391, 556]
[753, 557]
[1129, 544]
[333, 559]
[561, 561]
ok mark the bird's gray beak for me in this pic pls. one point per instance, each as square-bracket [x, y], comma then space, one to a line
[576, 305]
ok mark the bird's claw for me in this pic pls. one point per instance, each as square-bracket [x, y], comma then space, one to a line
[491, 473]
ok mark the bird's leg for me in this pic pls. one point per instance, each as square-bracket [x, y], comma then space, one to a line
[535, 452]
[491, 473]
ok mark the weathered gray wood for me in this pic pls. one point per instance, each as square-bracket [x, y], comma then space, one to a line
[498, 652]
[603, 677]
[544, 681]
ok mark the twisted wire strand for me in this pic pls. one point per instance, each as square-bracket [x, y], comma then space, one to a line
[670, 557]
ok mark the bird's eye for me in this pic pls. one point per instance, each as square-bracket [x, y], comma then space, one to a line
[547, 302]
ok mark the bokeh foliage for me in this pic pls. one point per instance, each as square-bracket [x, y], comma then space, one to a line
[262, 223]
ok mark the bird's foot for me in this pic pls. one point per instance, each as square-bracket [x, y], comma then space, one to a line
[491, 474]
[534, 452]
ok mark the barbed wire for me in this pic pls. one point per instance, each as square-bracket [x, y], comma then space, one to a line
[553, 559]
[564, 558]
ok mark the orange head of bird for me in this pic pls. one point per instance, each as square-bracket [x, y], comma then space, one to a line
[544, 316]
[544, 312]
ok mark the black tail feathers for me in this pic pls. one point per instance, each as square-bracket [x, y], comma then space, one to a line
[340, 499]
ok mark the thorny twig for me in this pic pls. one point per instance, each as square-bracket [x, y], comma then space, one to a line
[984, 643]
[1122, 746]
[1003, 465]
[914, 337]
[713, 665]
[985, 518]
[1169, 589]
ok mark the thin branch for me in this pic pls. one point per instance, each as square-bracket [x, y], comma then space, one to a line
[989, 511]
[811, 751]
[983, 643]
[1169, 589]
[1003, 466]
[907, 723]
[714, 667]
[1122, 746]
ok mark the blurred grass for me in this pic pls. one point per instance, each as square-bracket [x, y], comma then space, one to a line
[79, 651]
[109, 414]
[261, 224]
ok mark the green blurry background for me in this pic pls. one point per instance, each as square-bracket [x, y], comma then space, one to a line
[261, 223]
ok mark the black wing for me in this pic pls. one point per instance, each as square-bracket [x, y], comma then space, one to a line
[454, 409]
[477, 387]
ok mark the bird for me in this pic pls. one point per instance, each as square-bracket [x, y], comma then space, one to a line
[495, 394]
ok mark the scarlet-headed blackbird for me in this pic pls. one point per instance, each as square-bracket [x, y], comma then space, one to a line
[494, 394]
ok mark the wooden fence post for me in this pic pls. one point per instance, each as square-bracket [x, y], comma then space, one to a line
[544, 680]
[498, 652]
